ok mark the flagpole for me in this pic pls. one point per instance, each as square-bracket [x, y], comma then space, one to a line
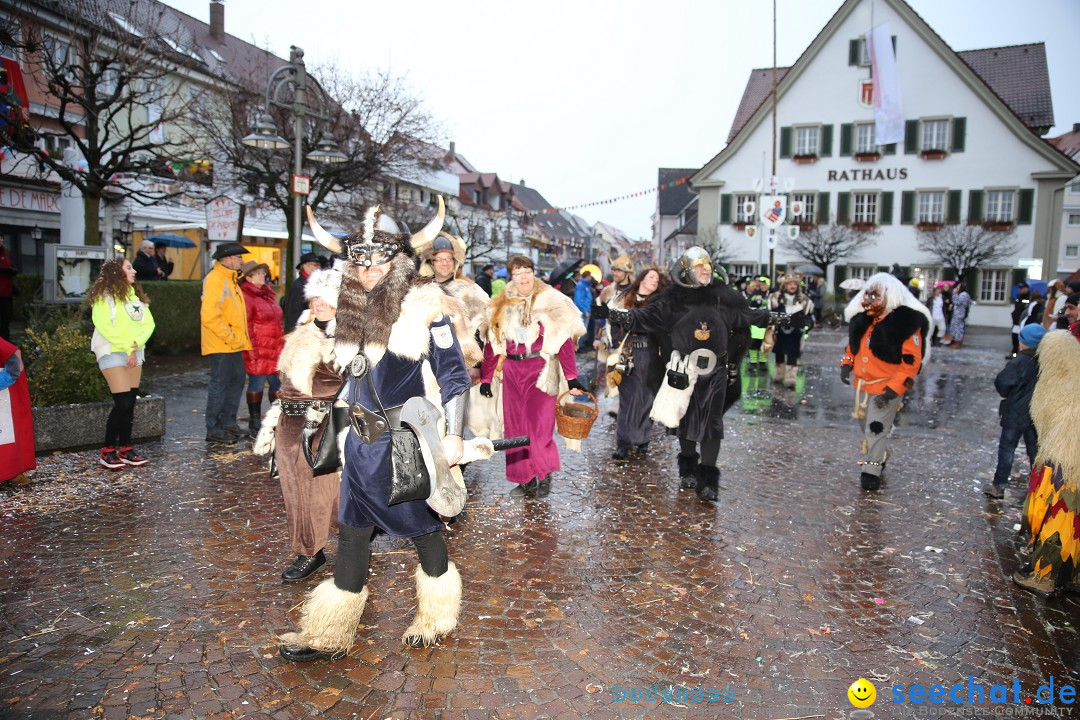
[772, 251]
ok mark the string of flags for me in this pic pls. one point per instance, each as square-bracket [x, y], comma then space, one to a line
[640, 193]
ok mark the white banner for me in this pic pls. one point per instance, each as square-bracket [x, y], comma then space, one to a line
[888, 110]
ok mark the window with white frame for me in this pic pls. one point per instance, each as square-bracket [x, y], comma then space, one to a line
[935, 135]
[1072, 251]
[806, 140]
[864, 138]
[740, 209]
[809, 201]
[62, 55]
[932, 207]
[861, 272]
[741, 269]
[865, 208]
[993, 285]
[1074, 219]
[999, 206]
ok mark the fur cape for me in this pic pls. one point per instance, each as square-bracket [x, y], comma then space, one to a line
[306, 347]
[394, 316]
[887, 342]
[556, 312]
[1054, 409]
[475, 302]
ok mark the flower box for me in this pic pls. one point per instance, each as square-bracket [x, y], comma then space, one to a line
[933, 154]
[863, 226]
[867, 157]
[929, 227]
[739, 225]
[805, 159]
[82, 425]
[999, 226]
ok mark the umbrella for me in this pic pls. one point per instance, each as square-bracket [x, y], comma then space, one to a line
[563, 270]
[809, 270]
[947, 284]
[592, 270]
[853, 284]
[171, 240]
[1037, 286]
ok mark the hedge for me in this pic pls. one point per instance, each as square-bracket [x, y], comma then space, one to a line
[28, 290]
[175, 305]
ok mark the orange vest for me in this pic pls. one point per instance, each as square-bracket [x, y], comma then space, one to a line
[878, 374]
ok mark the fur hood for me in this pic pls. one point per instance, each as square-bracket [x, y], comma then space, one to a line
[305, 347]
[1054, 409]
[558, 314]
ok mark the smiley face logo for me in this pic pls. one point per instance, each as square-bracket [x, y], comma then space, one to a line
[862, 693]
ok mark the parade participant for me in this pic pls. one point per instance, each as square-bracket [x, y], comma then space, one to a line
[122, 325]
[442, 259]
[961, 304]
[792, 301]
[640, 368]
[16, 449]
[1053, 500]
[310, 383]
[394, 338]
[756, 293]
[532, 331]
[937, 315]
[267, 338]
[887, 329]
[224, 328]
[698, 314]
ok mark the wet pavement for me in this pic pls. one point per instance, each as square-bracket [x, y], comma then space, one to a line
[155, 592]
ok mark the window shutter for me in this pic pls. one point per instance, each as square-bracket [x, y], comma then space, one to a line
[826, 141]
[853, 52]
[843, 211]
[959, 130]
[889, 149]
[821, 212]
[907, 207]
[975, 206]
[885, 211]
[846, 131]
[785, 142]
[725, 209]
[911, 137]
[1027, 204]
[894, 55]
[955, 198]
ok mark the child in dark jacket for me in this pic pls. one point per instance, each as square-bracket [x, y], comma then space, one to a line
[1016, 383]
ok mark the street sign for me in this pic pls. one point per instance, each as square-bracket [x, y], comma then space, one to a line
[1029, 263]
[224, 219]
[301, 184]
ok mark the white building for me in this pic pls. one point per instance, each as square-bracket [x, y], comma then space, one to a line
[972, 151]
[1068, 262]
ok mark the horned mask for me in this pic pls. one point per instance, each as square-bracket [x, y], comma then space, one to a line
[379, 239]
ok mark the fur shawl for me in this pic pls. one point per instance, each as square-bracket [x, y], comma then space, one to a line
[1054, 409]
[474, 302]
[305, 347]
[887, 342]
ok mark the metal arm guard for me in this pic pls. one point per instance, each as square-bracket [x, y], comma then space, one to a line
[454, 410]
[620, 316]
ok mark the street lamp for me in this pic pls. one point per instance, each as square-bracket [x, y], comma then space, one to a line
[289, 90]
[126, 228]
[37, 233]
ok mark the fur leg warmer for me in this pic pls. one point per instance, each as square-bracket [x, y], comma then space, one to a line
[791, 375]
[708, 482]
[778, 373]
[438, 601]
[329, 619]
[687, 466]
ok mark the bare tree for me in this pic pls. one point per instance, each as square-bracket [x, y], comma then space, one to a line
[718, 247]
[119, 95]
[966, 247]
[823, 245]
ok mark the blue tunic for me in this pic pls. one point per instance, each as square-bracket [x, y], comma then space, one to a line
[365, 486]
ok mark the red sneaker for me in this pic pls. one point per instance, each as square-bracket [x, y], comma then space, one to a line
[110, 458]
[128, 456]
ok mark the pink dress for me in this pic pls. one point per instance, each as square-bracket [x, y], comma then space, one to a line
[528, 410]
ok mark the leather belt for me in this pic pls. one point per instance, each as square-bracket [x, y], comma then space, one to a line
[522, 356]
[371, 425]
[637, 343]
[299, 408]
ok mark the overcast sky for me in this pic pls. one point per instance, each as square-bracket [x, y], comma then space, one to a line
[585, 100]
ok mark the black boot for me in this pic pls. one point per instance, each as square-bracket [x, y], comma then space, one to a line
[620, 453]
[687, 464]
[708, 482]
[870, 482]
[254, 403]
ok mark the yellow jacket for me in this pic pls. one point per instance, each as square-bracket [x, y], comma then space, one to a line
[223, 313]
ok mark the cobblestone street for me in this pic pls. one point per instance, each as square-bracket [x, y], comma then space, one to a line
[155, 592]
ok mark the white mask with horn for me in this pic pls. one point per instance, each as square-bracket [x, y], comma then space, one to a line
[379, 240]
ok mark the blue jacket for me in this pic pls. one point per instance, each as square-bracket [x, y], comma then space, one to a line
[583, 296]
[1016, 383]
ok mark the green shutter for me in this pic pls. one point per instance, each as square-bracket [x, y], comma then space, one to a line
[911, 137]
[826, 141]
[907, 207]
[894, 55]
[853, 52]
[975, 206]
[885, 214]
[785, 142]
[959, 130]
[821, 212]
[889, 149]
[846, 131]
[843, 208]
[1027, 204]
[840, 274]
[725, 209]
[953, 215]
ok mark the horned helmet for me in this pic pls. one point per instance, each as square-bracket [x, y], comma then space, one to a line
[682, 270]
[379, 239]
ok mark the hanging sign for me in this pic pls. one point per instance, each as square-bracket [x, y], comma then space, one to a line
[748, 209]
[751, 231]
[773, 209]
[301, 184]
[770, 241]
[797, 208]
[792, 231]
[224, 219]
[866, 92]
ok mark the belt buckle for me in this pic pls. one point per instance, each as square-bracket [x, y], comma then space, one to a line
[368, 425]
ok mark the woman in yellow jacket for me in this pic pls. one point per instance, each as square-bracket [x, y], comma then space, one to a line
[122, 325]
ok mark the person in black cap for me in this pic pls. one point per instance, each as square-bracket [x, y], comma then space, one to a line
[295, 304]
[224, 340]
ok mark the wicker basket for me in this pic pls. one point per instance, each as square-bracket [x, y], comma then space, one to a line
[575, 420]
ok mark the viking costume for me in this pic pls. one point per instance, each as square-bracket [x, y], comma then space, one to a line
[309, 387]
[886, 350]
[800, 311]
[531, 343]
[396, 342]
[471, 295]
[1052, 508]
[701, 319]
[757, 359]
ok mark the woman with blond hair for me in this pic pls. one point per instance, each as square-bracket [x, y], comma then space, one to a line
[122, 325]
